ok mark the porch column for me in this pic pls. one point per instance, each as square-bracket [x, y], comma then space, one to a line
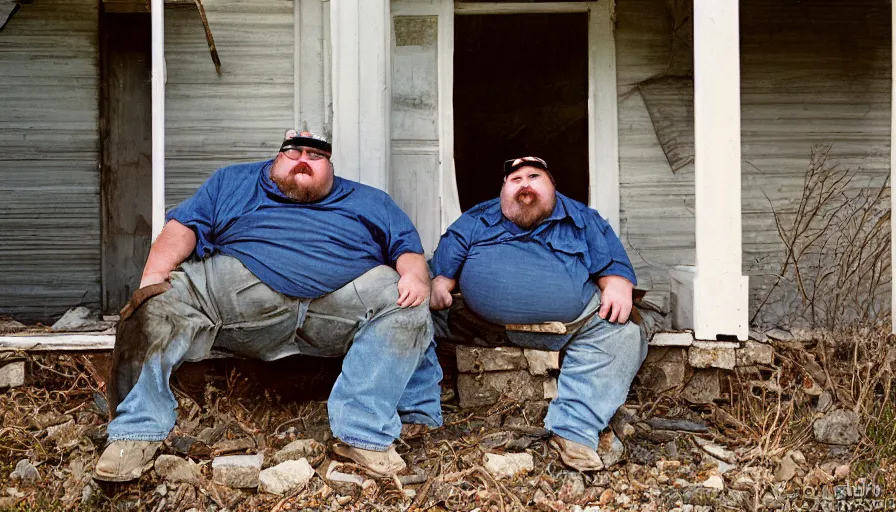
[157, 8]
[360, 32]
[720, 290]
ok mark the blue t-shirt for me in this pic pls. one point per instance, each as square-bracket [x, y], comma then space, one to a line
[302, 250]
[509, 275]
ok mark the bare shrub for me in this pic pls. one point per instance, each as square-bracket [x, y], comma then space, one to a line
[833, 277]
[836, 262]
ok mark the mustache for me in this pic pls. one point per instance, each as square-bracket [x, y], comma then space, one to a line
[525, 191]
[303, 168]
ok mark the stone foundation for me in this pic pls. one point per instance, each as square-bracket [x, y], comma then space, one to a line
[675, 363]
[485, 375]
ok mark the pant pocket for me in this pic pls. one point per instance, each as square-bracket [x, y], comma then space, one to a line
[326, 335]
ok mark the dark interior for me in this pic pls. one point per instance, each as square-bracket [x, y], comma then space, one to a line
[520, 88]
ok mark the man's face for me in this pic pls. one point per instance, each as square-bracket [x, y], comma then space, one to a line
[304, 174]
[528, 196]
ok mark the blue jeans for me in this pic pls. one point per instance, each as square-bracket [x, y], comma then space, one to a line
[389, 374]
[600, 361]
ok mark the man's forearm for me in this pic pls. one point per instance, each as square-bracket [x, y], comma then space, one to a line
[414, 264]
[175, 243]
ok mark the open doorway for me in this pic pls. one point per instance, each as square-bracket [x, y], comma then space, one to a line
[520, 88]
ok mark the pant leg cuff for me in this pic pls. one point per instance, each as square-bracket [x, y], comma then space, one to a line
[422, 419]
[137, 437]
[578, 439]
[364, 445]
[571, 435]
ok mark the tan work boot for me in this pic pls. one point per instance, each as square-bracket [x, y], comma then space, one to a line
[379, 464]
[123, 460]
[577, 455]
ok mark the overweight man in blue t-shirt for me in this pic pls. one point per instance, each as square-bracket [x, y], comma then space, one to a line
[271, 259]
[534, 256]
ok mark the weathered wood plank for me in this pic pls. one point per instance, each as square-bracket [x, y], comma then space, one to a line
[49, 155]
[55, 342]
[237, 116]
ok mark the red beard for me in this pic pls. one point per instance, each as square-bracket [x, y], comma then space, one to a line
[302, 193]
[527, 209]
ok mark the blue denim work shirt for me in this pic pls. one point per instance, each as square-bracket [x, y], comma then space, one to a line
[510, 275]
[302, 250]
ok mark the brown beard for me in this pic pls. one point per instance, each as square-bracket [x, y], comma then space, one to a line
[299, 193]
[527, 215]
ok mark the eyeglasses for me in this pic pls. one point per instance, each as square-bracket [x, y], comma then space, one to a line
[515, 163]
[315, 146]
[296, 153]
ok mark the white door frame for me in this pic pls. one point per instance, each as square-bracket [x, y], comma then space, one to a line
[603, 124]
[157, 14]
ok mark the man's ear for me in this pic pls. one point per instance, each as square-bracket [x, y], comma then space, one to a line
[290, 134]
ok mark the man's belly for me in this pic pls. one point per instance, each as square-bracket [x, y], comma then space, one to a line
[522, 284]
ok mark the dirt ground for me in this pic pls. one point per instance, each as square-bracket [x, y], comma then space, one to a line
[753, 450]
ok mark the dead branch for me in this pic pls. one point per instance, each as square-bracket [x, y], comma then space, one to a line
[836, 246]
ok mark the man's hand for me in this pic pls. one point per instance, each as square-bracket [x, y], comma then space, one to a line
[413, 285]
[441, 293]
[412, 290]
[615, 298]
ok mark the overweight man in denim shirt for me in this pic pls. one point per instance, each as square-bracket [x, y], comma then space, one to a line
[270, 259]
[534, 256]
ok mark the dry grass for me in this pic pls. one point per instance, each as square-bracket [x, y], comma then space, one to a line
[60, 388]
[854, 367]
[759, 423]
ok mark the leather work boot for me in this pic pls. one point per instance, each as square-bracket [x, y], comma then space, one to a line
[379, 464]
[123, 460]
[577, 455]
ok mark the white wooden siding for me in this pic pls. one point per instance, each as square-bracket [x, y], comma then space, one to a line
[656, 205]
[49, 160]
[811, 73]
[238, 116]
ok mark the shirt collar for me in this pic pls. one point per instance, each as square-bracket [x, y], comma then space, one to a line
[492, 215]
